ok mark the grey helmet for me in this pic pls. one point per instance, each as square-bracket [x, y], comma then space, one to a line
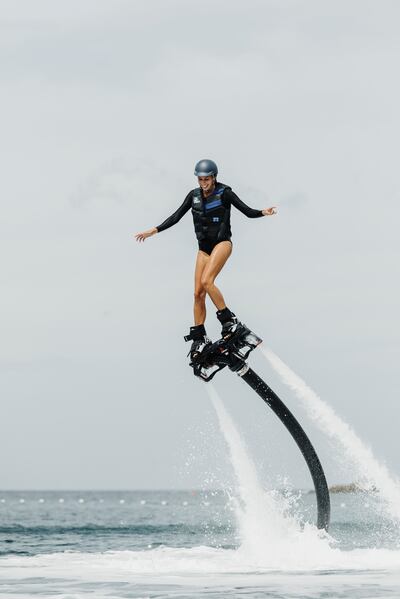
[205, 168]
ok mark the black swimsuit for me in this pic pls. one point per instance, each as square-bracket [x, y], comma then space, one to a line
[208, 243]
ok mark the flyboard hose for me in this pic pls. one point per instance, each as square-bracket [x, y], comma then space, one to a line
[303, 443]
[233, 353]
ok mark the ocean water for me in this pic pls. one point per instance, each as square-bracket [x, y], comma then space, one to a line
[245, 541]
[188, 544]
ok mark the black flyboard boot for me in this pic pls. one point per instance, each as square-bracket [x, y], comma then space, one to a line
[200, 340]
[229, 322]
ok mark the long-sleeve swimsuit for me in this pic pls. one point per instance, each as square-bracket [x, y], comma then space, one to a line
[210, 230]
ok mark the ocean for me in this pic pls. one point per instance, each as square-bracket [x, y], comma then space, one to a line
[243, 541]
[160, 544]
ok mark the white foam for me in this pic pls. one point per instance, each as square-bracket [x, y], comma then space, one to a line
[268, 535]
[167, 561]
[372, 473]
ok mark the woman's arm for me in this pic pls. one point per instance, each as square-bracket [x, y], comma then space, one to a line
[170, 221]
[245, 209]
[177, 215]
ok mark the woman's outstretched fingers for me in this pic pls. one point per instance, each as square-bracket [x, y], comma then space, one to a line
[142, 236]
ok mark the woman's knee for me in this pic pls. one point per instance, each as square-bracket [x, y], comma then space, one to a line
[199, 294]
[207, 282]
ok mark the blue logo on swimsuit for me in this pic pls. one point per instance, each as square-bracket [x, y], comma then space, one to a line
[215, 219]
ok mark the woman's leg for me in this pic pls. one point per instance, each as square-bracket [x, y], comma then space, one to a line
[199, 308]
[213, 266]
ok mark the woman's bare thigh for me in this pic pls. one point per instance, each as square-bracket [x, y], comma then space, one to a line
[217, 259]
[201, 262]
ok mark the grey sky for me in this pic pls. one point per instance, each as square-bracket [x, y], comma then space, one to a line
[105, 108]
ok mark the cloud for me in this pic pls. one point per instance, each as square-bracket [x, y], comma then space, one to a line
[106, 108]
[125, 179]
[296, 201]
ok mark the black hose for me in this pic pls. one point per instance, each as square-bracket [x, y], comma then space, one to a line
[303, 442]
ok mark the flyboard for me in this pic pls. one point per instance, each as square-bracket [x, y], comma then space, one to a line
[233, 352]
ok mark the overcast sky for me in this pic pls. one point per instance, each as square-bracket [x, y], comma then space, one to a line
[105, 108]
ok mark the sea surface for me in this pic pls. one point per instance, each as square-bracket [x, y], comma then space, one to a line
[242, 541]
[191, 544]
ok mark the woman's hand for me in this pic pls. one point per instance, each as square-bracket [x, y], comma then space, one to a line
[146, 234]
[269, 211]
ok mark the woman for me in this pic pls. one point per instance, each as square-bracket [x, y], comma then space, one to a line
[211, 207]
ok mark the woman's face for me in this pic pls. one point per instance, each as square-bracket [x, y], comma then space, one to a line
[206, 183]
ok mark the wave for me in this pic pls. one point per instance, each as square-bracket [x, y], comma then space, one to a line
[123, 529]
[198, 560]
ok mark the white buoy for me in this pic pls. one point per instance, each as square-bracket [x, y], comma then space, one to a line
[61, 500]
